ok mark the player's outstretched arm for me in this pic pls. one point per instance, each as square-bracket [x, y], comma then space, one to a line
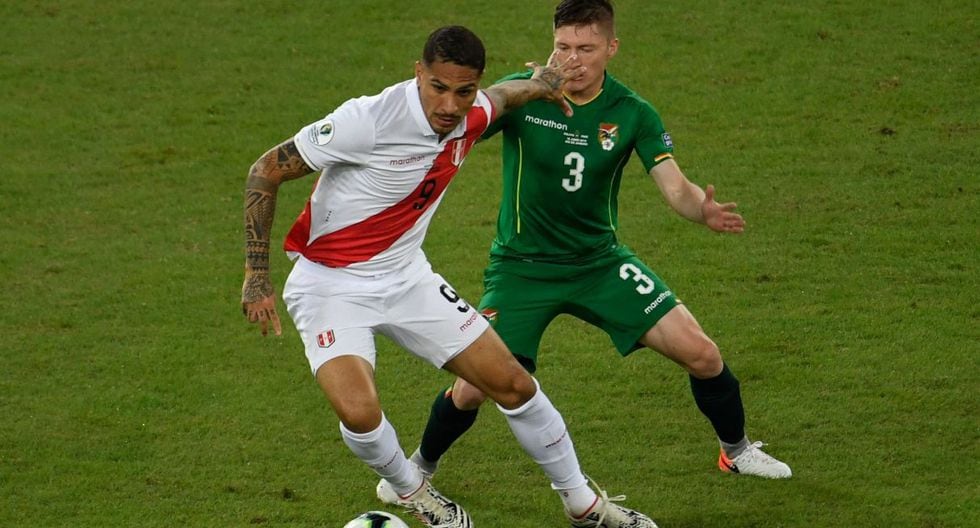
[545, 83]
[693, 203]
[279, 164]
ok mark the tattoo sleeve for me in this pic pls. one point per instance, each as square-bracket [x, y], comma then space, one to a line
[512, 94]
[278, 164]
[260, 209]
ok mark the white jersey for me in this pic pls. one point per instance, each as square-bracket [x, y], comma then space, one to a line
[383, 174]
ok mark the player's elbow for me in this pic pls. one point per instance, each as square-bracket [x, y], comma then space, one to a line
[263, 172]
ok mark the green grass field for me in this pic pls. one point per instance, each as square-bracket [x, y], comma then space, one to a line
[133, 393]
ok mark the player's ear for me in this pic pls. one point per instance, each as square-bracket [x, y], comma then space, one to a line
[418, 73]
[613, 47]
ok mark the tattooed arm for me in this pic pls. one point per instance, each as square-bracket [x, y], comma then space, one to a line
[545, 83]
[279, 164]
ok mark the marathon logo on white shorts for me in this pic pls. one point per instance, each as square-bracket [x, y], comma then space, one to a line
[469, 322]
[325, 339]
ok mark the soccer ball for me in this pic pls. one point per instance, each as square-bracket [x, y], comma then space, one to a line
[376, 519]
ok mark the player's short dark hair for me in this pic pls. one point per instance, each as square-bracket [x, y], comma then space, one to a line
[585, 13]
[457, 45]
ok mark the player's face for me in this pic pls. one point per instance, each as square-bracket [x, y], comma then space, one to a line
[447, 91]
[594, 49]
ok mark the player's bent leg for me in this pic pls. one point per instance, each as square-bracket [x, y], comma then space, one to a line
[716, 391]
[450, 417]
[537, 425]
[533, 419]
[348, 383]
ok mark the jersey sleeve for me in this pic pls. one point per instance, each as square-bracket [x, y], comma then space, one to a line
[653, 144]
[345, 136]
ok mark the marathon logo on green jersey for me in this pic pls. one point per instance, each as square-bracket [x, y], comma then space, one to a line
[550, 123]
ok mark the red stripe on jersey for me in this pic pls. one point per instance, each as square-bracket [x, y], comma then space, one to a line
[362, 241]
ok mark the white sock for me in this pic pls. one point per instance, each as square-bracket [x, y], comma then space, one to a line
[380, 450]
[541, 431]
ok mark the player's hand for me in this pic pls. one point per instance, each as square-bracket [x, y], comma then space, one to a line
[720, 217]
[259, 302]
[554, 75]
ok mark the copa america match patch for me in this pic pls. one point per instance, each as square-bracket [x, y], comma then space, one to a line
[322, 134]
[667, 142]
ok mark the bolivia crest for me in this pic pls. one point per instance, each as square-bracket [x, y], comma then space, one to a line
[608, 135]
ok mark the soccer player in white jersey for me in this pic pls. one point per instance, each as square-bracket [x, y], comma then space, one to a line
[384, 163]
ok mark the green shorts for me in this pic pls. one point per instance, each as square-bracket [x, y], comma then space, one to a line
[616, 292]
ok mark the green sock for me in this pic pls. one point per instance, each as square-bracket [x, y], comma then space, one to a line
[446, 424]
[721, 402]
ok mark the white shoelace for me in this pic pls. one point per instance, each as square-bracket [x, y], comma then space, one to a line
[606, 499]
[754, 448]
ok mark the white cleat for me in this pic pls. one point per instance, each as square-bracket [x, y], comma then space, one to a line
[605, 514]
[387, 494]
[754, 461]
[428, 505]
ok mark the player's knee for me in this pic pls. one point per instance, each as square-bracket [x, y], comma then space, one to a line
[706, 363]
[359, 418]
[515, 390]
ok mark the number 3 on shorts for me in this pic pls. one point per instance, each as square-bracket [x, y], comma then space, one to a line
[629, 271]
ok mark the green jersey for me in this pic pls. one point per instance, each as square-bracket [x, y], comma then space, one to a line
[562, 174]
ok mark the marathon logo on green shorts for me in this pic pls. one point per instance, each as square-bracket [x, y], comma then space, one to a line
[656, 302]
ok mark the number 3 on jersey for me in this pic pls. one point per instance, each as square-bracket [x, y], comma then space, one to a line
[576, 164]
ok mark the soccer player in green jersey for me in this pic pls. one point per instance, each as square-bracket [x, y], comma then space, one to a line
[556, 249]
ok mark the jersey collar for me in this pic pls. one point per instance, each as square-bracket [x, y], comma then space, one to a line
[605, 79]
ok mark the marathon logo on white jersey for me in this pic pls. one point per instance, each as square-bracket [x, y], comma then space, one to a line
[406, 161]
[550, 123]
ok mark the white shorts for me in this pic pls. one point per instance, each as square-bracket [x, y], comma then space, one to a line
[337, 313]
